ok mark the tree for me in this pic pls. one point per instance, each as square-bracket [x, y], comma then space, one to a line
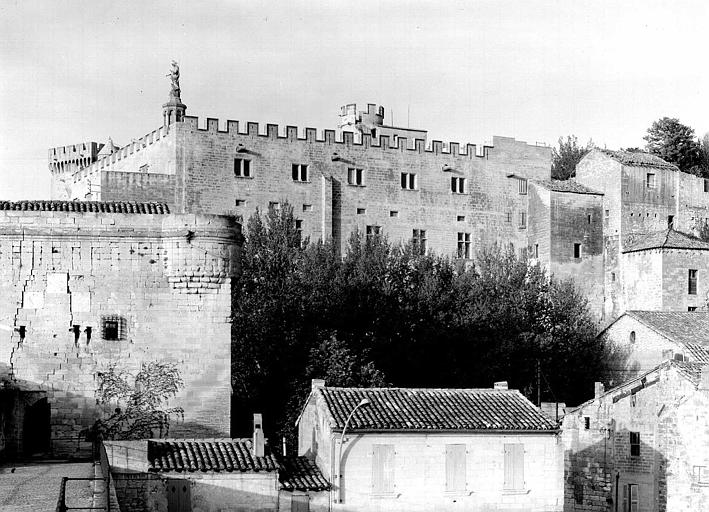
[675, 143]
[140, 401]
[564, 160]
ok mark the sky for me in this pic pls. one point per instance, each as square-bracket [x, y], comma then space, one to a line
[74, 71]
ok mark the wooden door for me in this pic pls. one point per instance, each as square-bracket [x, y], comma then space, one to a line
[178, 496]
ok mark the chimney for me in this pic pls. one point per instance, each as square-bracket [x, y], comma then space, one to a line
[500, 385]
[598, 389]
[257, 446]
[317, 383]
[704, 378]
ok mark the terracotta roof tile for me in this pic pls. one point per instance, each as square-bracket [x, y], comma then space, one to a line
[569, 185]
[689, 328]
[300, 474]
[434, 409]
[639, 159]
[86, 207]
[668, 239]
[198, 455]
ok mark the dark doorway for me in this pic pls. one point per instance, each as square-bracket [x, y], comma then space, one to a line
[178, 496]
[36, 429]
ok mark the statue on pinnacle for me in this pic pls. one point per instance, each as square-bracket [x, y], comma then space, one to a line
[174, 80]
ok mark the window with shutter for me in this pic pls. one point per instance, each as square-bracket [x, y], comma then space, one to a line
[455, 468]
[514, 467]
[383, 469]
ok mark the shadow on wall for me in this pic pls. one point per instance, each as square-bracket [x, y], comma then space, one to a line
[617, 473]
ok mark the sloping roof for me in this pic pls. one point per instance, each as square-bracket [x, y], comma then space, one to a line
[202, 455]
[691, 371]
[685, 327]
[569, 185]
[412, 409]
[86, 206]
[668, 239]
[301, 474]
[639, 159]
[232, 455]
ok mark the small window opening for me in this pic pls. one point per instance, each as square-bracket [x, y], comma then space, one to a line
[361, 211]
[613, 277]
[307, 207]
[577, 251]
[88, 334]
[691, 308]
[77, 333]
[586, 423]
[240, 202]
[22, 331]
[635, 444]
[650, 180]
[588, 218]
[461, 218]
[632, 337]
[692, 282]
[393, 213]
[536, 250]
[670, 221]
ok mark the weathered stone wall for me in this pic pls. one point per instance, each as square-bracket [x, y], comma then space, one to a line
[540, 224]
[693, 201]
[642, 280]
[164, 279]
[139, 187]
[668, 412]
[202, 163]
[675, 273]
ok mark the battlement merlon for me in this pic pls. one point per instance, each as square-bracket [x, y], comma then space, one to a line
[74, 151]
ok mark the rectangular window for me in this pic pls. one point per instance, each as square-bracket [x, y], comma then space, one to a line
[408, 181]
[588, 218]
[691, 308]
[700, 475]
[355, 176]
[361, 211]
[455, 468]
[536, 250]
[299, 226]
[630, 498]
[419, 241]
[635, 444]
[460, 218]
[457, 185]
[242, 168]
[383, 469]
[113, 328]
[670, 221]
[307, 207]
[372, 231]
[706, 185]
[692, 282]
[240, 202]
[299, 172]
[275, 205]
[522, 220]
[613, 277]
[522, 185]
[650, 180]
[514, 467]
[577, 251]
[508, 217]
[393, 213]
[464, 245]
[586, 422]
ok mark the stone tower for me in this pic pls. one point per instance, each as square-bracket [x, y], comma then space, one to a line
[174, 110]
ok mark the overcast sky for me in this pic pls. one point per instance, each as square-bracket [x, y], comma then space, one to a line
[534, 70]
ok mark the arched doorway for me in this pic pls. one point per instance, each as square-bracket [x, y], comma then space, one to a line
[36, 429]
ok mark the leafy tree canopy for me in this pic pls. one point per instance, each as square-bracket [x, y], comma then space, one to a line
[564, 159]
[383, 314]
[676, 143]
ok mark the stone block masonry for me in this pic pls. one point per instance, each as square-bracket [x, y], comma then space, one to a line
[81, 290]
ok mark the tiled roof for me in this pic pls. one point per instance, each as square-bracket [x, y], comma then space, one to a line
[434, 409]
[230, 455]
[301, 474]
[685, 327]
[86, 206]
[569, 185]
[200, 455]
[639, 159]
[668, 239]
[692, 371]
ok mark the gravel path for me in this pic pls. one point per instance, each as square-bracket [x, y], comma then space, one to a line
[34, 486]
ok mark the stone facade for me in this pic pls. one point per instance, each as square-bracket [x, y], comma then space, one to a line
[81, 290]
[642, 446]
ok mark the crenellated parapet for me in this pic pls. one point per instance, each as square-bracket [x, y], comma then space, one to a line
[353, 139]
[72, 157]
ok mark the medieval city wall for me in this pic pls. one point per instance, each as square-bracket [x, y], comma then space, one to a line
[489, 209]
[79, 291]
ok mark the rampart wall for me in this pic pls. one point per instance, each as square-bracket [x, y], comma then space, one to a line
[67, 279]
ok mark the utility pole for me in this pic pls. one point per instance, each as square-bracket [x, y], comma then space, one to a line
[539, 384]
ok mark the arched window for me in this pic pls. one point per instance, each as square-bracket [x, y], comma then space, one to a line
[632, 336]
